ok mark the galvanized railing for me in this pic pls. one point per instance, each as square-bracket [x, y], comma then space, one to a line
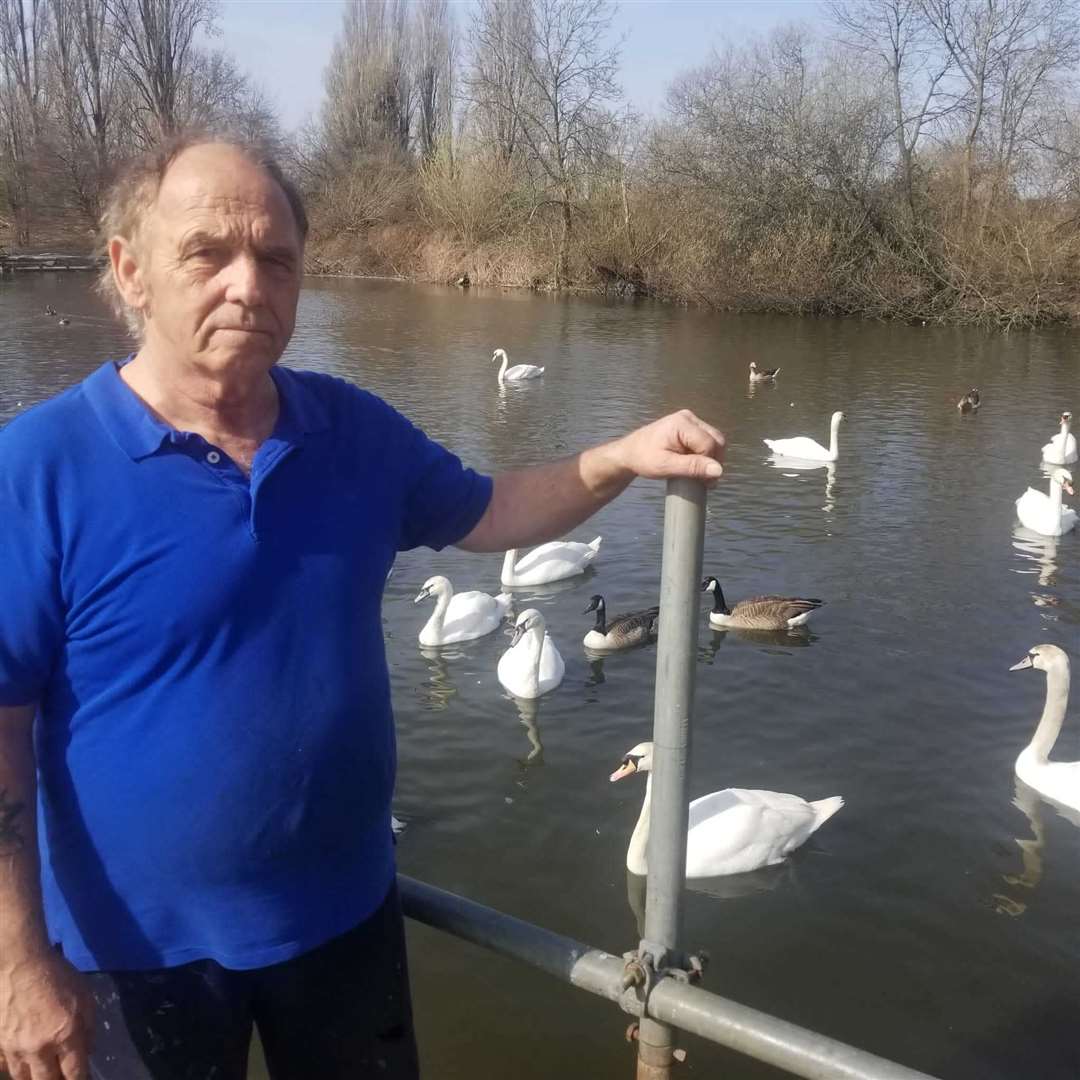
[656, 984]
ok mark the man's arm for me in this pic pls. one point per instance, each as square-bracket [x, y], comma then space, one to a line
[529, 506]
[45, 1009]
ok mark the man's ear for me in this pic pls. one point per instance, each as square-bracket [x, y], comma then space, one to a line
[128, 273]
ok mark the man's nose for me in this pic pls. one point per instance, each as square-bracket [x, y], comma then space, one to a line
[244, 281]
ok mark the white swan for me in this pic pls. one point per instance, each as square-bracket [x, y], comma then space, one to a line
[1044, 513]
[459, 616]
[532, 665]
[1057, 780]
[518, 372]
[548, 562]
[730, 831]
[805, 448]
[1061, 449]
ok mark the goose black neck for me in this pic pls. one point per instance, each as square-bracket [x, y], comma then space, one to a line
[601, 618]
[719, 604]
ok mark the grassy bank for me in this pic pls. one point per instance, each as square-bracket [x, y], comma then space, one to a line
[1017, 265]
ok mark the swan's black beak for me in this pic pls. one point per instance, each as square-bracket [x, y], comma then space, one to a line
[1025, 663]
[518, 632]
[627, 768]
[423, 594]
[1068, 488]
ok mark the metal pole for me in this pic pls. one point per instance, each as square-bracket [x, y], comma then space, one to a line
[777, 1042]
[676, 655]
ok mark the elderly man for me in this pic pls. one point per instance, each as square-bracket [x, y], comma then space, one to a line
[193, 688]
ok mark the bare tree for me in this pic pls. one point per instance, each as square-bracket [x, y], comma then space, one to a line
[896, 32]
[158, 55]
[1008, 53]
[433, 37]
[87, 100]
[23, 44]
[369, 93]
[500, 44]
[570, 70]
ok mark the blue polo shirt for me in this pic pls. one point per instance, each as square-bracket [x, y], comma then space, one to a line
[215, 744]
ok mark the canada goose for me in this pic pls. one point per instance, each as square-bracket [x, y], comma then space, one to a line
[969, 402]
[731, 831]
[1061, 449]
[548, 562]
[621, 631]
[518, 372]
[758, 612]
[1057, 780]
[1042, 512]
[459, 616]
[765, 373]
[532, 665]
[806, 448]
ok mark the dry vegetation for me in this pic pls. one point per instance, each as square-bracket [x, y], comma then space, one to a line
[914, 159]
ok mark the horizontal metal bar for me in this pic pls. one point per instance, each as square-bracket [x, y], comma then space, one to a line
[757, 1034]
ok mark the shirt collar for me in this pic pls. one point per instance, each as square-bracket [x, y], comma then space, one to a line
[140, 434]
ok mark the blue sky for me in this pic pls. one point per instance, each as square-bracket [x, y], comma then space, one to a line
[285, 44]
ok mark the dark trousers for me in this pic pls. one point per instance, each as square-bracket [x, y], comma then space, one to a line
[340, 1011]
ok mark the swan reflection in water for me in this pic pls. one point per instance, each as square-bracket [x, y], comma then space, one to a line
[524, 594]
[528, 710]
[731, 887]
[1042, 551]
[790, 466]
[1033, 806]
[439, 689]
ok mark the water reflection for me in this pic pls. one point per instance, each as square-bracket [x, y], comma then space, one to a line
[790, 466]
[523, 594]
[800, 637]
[729, 887]
[596, 668]
[767, 385]
[1033, 806]
[439, 690]
[528, 711]
[1043, 551]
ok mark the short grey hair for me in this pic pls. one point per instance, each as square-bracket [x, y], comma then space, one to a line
[135, 188]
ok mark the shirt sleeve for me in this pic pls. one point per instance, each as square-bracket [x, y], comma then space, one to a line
[444, 500]
[31, 611]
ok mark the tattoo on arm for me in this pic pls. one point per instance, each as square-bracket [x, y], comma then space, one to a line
[11, 839]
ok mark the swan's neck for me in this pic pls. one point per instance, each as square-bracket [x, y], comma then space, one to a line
[1056, 492]
[509, 559]
[639, 841]
[533, 645]
[833, 431]
[1065, 425]
[502, 366]
[1053, 714]
[438, 616]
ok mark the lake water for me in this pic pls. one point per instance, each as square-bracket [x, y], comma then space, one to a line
[913, 924]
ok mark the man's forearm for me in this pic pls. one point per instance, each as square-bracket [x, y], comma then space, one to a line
[22, 929]
[530, 506]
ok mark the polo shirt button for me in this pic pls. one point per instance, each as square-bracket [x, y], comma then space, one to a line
[213, 457]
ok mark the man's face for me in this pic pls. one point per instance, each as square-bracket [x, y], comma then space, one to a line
[220, 259]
